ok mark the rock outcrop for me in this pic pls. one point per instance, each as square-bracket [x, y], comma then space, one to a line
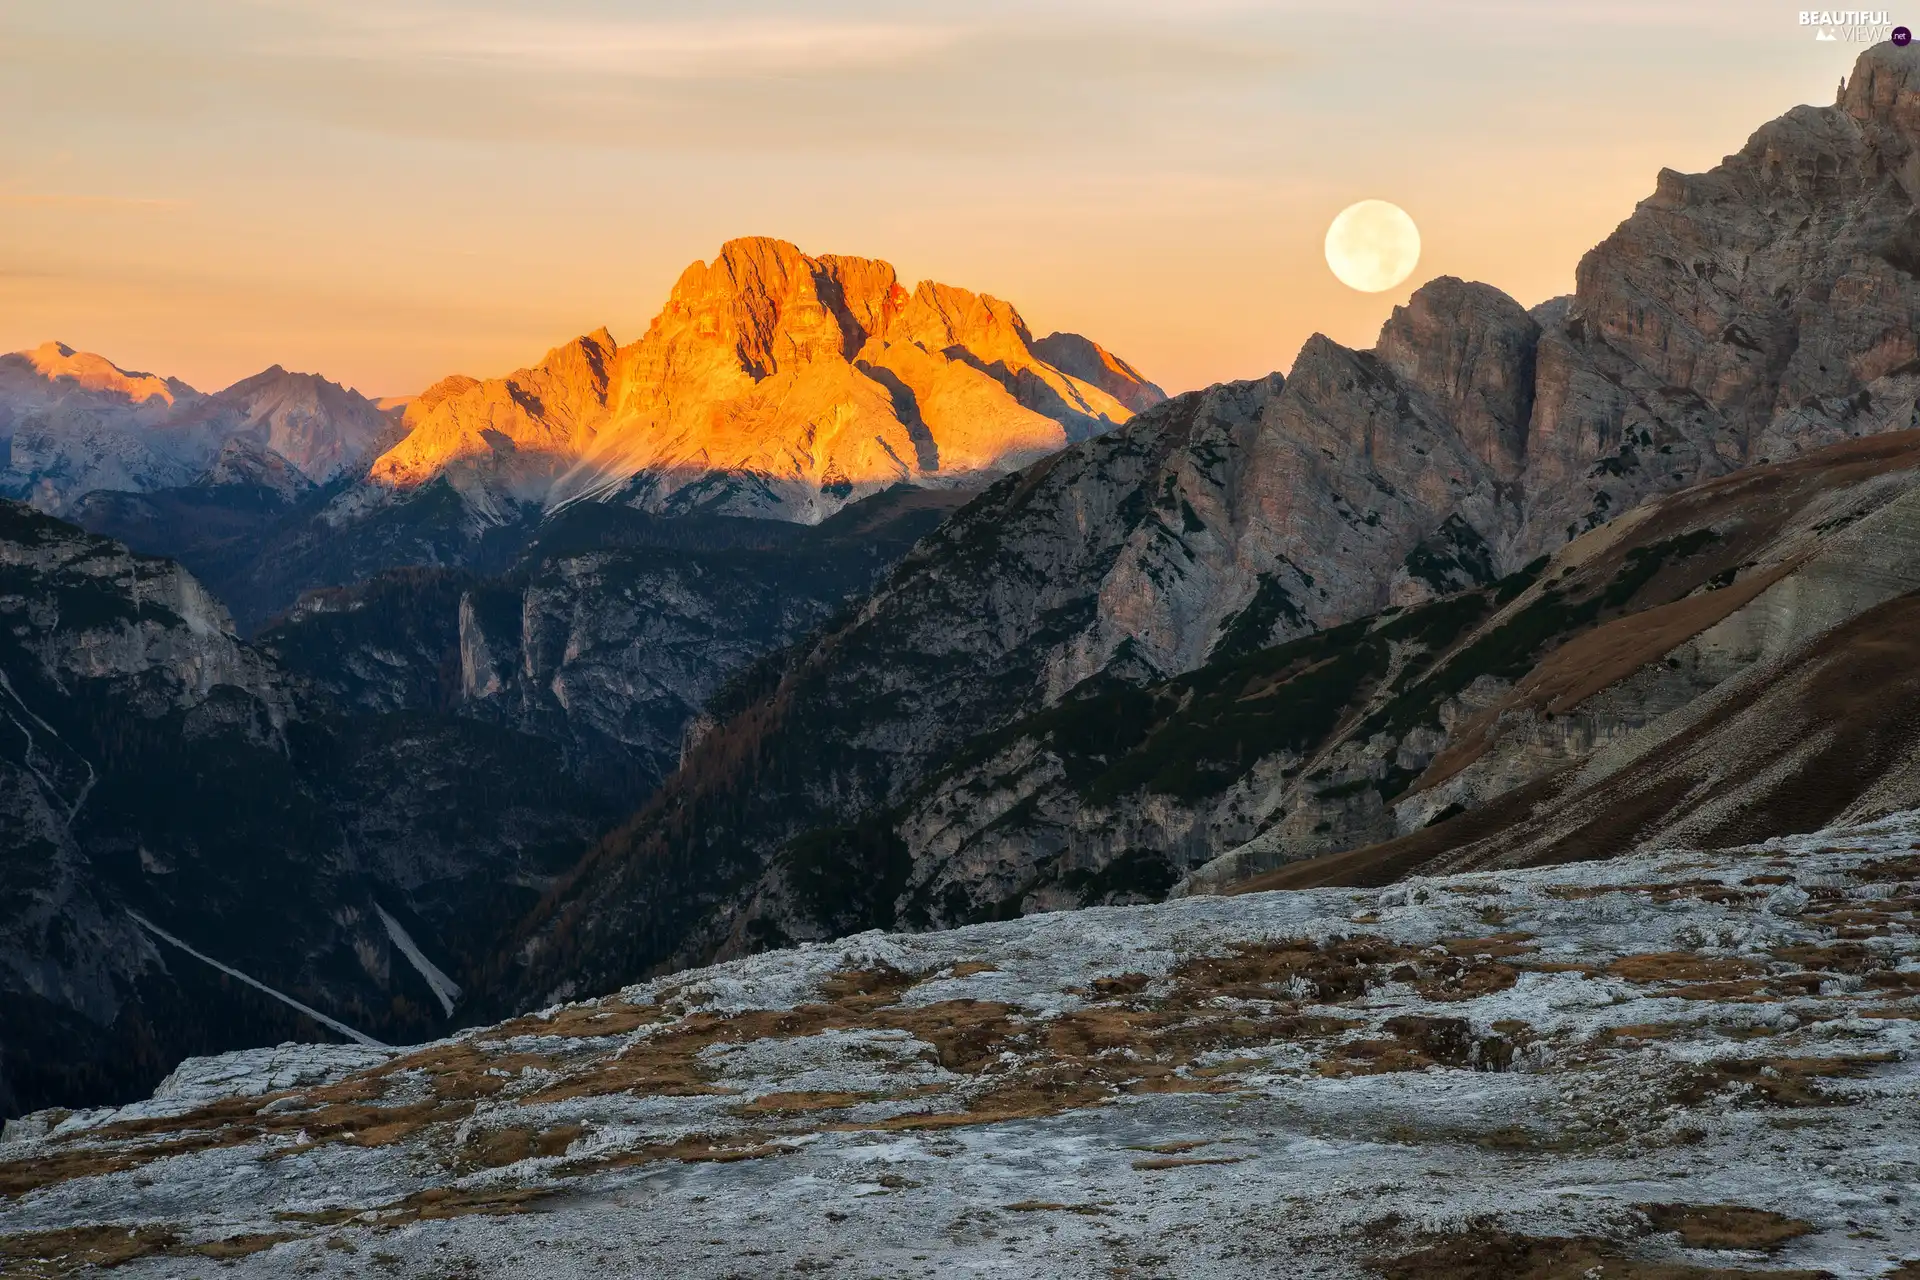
[1469, 349]
[1087, 360]
[1744, 314]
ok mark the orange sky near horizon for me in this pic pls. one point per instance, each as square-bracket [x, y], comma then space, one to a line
[389, 193]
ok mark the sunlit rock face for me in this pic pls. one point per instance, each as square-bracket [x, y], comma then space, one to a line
[772, 383]
[57, 362]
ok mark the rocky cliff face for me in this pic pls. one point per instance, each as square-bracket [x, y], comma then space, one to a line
[155, 768]
[608, 633]
[1743, 314]
[615, 650]
[1675, 675]
[1753, 312]
[1087, 360]
[772, 383]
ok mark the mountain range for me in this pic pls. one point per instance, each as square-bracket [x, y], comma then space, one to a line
[454, 664]
[772, 385]
[830, 605]
[1041, 707]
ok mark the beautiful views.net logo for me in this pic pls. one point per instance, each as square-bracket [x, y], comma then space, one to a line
[1858, 26]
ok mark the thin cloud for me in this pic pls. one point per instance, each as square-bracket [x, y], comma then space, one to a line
[995, 88]
[66, 200]
[1648, 15]
[669, 49]
[752, 43]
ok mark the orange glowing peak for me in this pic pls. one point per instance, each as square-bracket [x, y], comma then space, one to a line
[56, 361]
[772, 382]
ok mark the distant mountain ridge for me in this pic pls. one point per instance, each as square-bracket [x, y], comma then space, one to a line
[74, 423]
[58, 362]
[773, 384]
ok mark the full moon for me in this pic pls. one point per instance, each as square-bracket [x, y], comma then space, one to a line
[1373, 246]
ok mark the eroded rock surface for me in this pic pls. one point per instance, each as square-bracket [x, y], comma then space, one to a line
[1714, 1049]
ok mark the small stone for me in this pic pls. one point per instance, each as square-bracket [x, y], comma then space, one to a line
[1788, 900]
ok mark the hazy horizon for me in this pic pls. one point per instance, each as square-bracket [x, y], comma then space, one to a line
[389, 194]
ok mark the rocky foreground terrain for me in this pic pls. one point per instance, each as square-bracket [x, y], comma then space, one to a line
[1678, 1065]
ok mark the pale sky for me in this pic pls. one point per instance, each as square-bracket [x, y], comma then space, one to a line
[389, 191]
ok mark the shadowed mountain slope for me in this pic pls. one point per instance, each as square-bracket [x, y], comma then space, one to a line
[155, 764]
